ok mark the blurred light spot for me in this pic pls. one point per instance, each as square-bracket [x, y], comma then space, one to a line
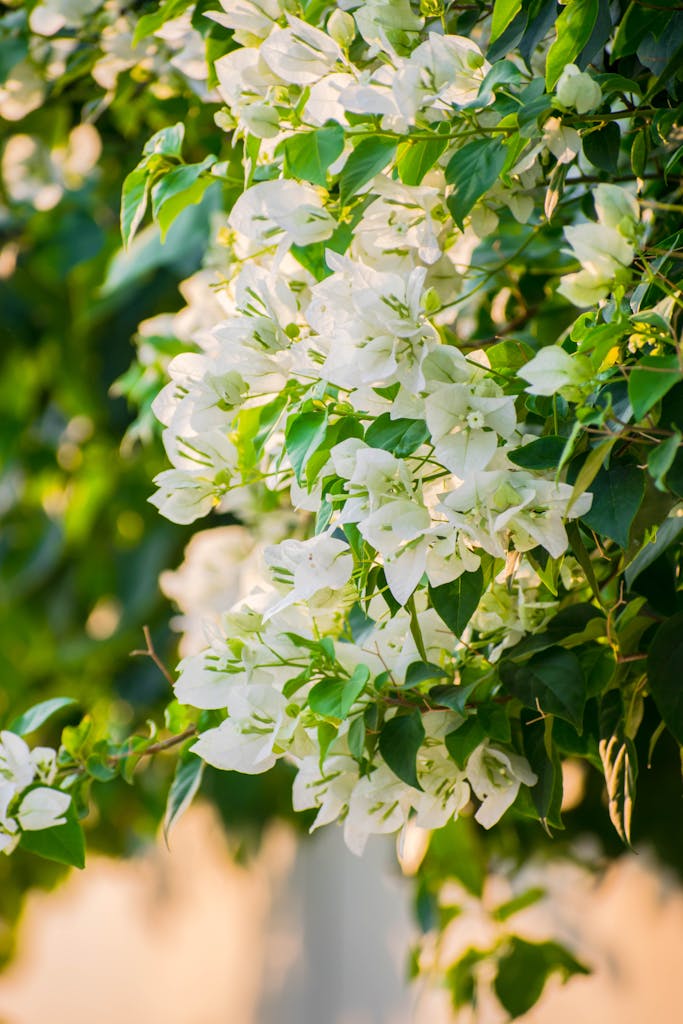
[573, 784]
[69, 456]
[79, 429]
[104, 619]
[130, 525]
[499, 306]
[55, 501]
[8, 260]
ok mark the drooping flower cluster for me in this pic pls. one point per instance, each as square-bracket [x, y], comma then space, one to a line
[28, 800]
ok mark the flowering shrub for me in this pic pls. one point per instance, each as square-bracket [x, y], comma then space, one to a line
[433, 363]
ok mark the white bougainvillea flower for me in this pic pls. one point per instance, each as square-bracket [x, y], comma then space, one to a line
[307, 566]
[379, 804]
[327, 787]
[183, 496]
[300, 54]
[282, 213]
[563, 141]
[442, 72]
[616, 208]
[252, 21]
[9, 829]
[16, 764]
[552, 370]
[255, 734]
[495, 776]
[445, 788]
[577, 90]
[43, 808]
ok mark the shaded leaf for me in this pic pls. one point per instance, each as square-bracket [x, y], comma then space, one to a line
[399, 742]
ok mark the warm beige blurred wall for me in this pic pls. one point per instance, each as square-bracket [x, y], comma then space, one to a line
[307, 935]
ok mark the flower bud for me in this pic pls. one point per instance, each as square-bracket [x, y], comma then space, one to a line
[577, 90]
[342, 28]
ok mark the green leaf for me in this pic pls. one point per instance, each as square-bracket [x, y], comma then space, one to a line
[65, 843]
[400, 436]
[368, 158]
[150, 23]
[574, 27]
[422, 671]
[524, 969]
[617, 494]
[416, 157]
[167, 142]
[511, 907]
[462, 741]
[661, 459]
[544, 453]
[667, 534]
[180, 188]
[503, 13]
[38, 714]
[473, 170]
[650, 380]
[552, 681]
[543, 756]
[133, 202]
[305, 432]
[186, 782]
[457, 602]
[664, 662]
[309, 154]
[334, 698]
[399, 742]
[602, 147]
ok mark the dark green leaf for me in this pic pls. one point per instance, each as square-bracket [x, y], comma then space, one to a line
[664, 663]
[399, 742]
[462, 741]
[473, 170]
[65, 843]
[186, 782]
[309, 154]
[368, 158]
[617, 494]
[544, 453]
[524, 970]
[420, 671]
[551, 681]
[667, 534]
[602, 147]
[401, 437]
[457, 602]
[38, 714]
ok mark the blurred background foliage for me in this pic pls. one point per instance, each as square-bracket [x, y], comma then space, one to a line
[80, 548]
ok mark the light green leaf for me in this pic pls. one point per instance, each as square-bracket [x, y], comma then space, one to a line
[650, 380]
[150, 23]
[503, 13]
[181, 187]
[186, 782]
[574, 27]
[334, 698]
[167, 142]
[416, 157]
[37, 715]
[305, 432]
[309, 154]
[134, 202]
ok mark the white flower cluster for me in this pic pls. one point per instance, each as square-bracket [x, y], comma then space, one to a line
[327, 370]
[28, 801]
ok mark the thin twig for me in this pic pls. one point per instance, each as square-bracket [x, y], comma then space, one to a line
[150, 652]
